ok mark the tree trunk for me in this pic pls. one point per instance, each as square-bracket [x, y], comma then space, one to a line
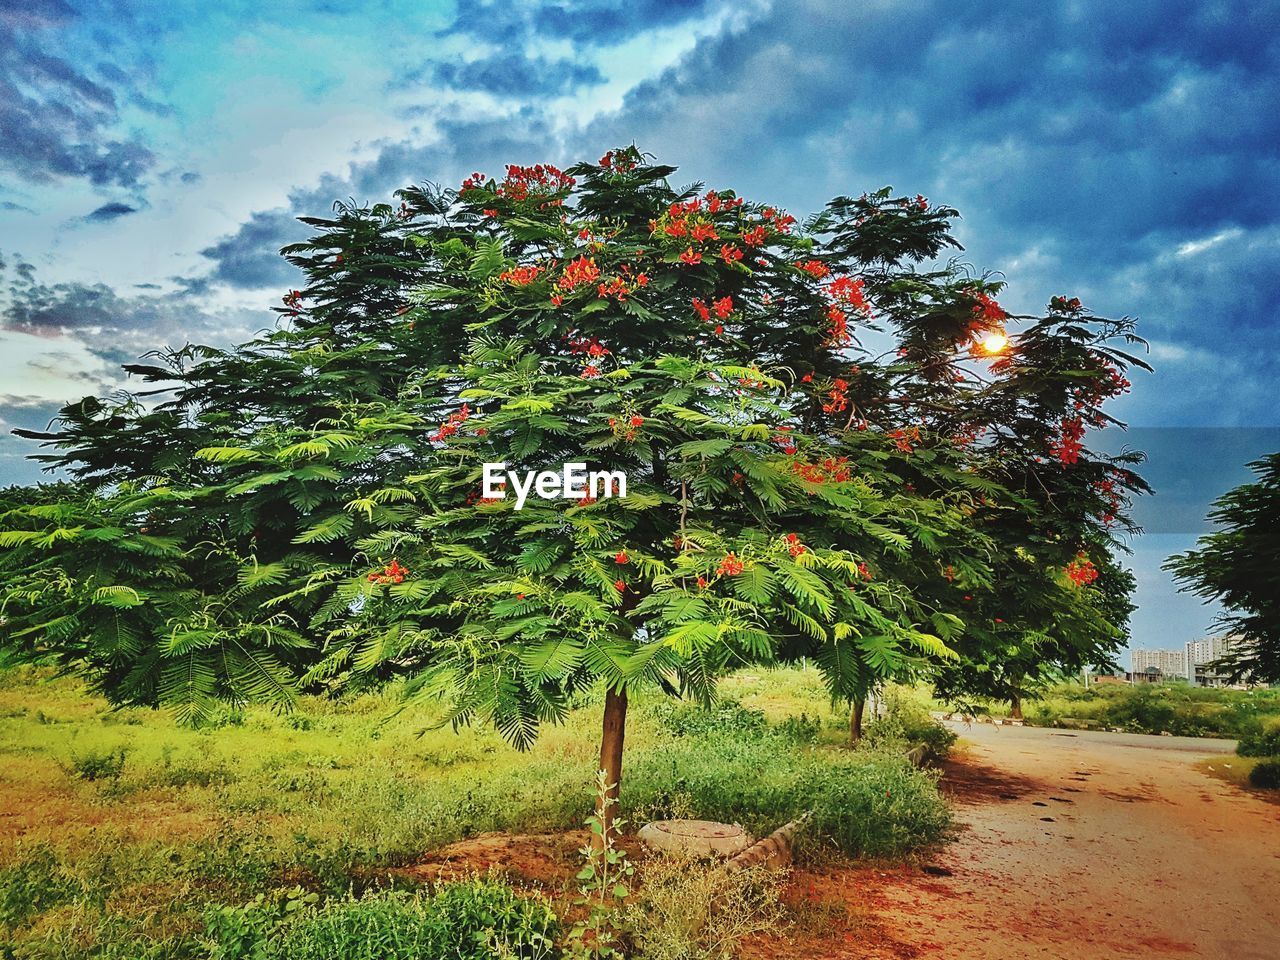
[611, 735]
[1015, 707]
[855, 721]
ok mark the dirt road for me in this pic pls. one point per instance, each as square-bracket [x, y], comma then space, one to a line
[1090, 845]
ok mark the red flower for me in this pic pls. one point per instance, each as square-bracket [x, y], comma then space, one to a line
[703, 232]
[730, 566]
[730, 253]
[520, 276]
[701, 310]
[619, 585]
[723, 307]
[556, 300]
[807, 378]
[815, 268]
[577, 272]
[719, 329]
[621, 558]
[702, 582]
[637, 421]
[690, 257]
[755, 237]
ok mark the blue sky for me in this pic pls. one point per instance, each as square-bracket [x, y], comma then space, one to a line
[153, 157]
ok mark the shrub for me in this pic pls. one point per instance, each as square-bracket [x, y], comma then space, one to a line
[99, 765]
[907, 723]
[866, 802]
[476, 920]
[1262, 740]
[33, 885]
[1266, 775]
[725, 717]
[692, 910]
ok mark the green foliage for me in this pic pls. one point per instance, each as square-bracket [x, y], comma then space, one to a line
[725, 717]
[791, 492]
[31, 885]
[1262, 740]
[865, 803]
[604, 882]
[474, 920]
[1175, 708]
[1238, 566]
[906, 724]
[1265, 775]
[99, 765]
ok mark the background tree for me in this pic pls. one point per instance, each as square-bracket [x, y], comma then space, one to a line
[1238, 565]
[308, 505]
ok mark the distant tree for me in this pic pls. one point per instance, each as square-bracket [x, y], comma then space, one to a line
[308, 509]
[1238, 565]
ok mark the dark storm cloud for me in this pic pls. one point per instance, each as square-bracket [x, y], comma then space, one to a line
[110, 211]
[250, 257]
[57, 121]
[1091, 147]
[507, 75]
[590, 22]
[114, 327]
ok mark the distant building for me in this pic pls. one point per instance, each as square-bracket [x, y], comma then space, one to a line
[1168, 663]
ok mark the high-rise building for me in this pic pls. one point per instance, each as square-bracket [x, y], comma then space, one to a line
[1170, 663]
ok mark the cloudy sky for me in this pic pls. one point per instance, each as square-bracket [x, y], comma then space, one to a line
[153, 158]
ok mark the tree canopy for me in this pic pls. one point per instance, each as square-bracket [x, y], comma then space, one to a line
[836, 448]
[1238, 565]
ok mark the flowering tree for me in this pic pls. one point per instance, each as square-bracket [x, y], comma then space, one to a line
[312, 504]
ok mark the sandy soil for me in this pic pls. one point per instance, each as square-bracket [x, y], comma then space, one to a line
[1091, 846]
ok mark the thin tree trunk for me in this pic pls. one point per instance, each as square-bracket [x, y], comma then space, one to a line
[1015, 707]
[611, 736]
[855, 721]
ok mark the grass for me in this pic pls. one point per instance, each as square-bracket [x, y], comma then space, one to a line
[1175, 708]
[121, 830]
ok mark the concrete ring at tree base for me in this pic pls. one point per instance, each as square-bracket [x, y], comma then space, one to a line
[704, 838]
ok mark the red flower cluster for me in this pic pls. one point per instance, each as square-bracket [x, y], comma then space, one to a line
[520, 276]
[723, 307]
[627, 430]
[830, 470]
[620, 585]
[391, 573]
[452, 424]
[621, 160]
[621, 558]
[1106, 489]
[473, 182]
[905, 440]
[837, 397]
[730, 566]
[1081, 570]
[863, 572]
[542, 179]
[754, 237]
[780, 219]
[1063, 305]
[839, 332]
[293, 300]
[1069, 444]
[577, 272]
[730, 254]
[690, 257]
[985, 309]
[794, 546]
[785, 441]
[591, 347]
[814, 268]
